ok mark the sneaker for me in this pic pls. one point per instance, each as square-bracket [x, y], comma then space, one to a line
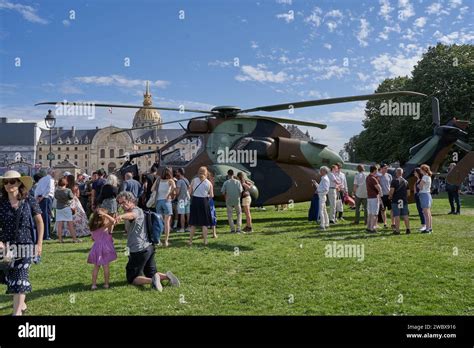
[156, 283]
[232, 231]
[396, 232]
[238, 232]
[174, 281]
[407, 231]
[370, 231]
[427, 231]
[181, 230]
[322, 228]
[423, 228]
[332, 222]
[451, 213]
[458, 213]
[187, 230]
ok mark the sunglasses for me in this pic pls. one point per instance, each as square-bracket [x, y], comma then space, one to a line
[10, 181]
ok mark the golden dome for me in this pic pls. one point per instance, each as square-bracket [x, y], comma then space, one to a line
[146, 117]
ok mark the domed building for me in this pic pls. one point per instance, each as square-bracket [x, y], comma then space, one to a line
[147, 117]
[92, 149]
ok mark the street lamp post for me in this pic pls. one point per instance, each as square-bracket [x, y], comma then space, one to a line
[50, 121]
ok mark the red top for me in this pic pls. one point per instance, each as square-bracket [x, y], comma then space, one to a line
[371, 182]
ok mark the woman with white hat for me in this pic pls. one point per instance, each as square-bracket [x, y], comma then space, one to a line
[19, 215]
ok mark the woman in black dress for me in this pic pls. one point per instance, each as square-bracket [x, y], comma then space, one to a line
[18, 213]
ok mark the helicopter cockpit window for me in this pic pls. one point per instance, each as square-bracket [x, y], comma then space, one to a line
[182, 152]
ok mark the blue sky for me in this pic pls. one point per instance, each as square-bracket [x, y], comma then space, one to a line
[244, 53]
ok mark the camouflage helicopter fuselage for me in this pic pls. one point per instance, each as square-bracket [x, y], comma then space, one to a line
[280, 166]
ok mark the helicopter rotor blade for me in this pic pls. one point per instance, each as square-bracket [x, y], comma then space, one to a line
[160, 124]
[285, 120]
[318, 102]
[127, 106]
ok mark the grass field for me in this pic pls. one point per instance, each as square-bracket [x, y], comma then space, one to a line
[280, 269]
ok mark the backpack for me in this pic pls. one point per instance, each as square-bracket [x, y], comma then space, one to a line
[154, 226]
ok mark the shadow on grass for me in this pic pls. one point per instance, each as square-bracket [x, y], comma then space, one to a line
[71, 288]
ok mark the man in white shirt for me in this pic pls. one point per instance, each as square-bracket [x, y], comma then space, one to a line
[44, 194]
[323, 190]
[360, 194]
[342, 190]
[334, 183]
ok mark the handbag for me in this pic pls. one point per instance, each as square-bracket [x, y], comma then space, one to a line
[151, 203]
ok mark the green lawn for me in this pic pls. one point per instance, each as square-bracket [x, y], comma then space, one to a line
[280, 269]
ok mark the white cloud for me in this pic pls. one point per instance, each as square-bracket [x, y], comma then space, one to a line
[254, 44]
[331, 26]
[455, 3]
[66, 23]
[220, 63]
[409, 35]
[315, 17]
[387, 29]
[385, 9]
[259, 74]
[458, 37]
[334, 14]
[356, 114]
[363, 77]
[29, 13]
[284, 2]
[363, 33]
[437, 9]
[119, 81]
[387, 66]
[328, 46]
[331, 71]
[406, 10]
[420, 22]
[288, 17]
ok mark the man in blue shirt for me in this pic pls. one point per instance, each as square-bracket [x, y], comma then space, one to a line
[132, 185]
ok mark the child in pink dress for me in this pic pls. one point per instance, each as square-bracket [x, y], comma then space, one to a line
[103, 251]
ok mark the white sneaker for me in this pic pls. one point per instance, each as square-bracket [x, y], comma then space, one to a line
[174, 281]
[156, 283]
[423, 229]
[181, 230]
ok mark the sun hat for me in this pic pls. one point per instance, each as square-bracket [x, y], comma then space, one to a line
[13, 174]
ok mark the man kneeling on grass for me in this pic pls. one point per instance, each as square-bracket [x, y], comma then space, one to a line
[141, 266]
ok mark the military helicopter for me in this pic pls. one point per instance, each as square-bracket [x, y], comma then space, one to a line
[281, 167]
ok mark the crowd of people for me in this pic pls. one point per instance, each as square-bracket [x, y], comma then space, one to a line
[33, 209]
[377, 194]
[94, 205]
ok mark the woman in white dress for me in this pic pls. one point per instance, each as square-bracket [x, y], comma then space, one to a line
[80, 220]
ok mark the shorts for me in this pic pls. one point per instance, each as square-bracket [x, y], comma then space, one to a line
[141, 263]
[184, 206]
[64, 214]
[373, 206]
[246, 201]
[164, 207]
[386, 202]
[400, 211]
[425, 200]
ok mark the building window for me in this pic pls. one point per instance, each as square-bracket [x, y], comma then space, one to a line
[112, 153]
[40, 149]
[59, 156]
[75, 163]
[59, 149]
[85, 156]
[86, 148]
[102, 153]
[121, 152]
[75, 156]
[75, 149]
[40, 157]
[67, 149]
[149, 147]
[85, 163]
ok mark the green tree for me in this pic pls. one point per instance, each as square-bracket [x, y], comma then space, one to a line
[445, 72]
